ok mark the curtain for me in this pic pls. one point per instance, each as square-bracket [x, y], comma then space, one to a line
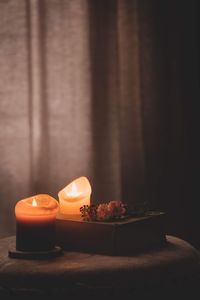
[101, 89]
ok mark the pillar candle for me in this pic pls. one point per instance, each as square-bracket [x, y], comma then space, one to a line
[73, 196]
[35, 223]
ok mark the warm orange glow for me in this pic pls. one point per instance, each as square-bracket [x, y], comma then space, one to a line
[38, 206]
[35, 223]
[75, 195]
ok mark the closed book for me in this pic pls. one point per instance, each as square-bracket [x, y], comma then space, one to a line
[122, 237]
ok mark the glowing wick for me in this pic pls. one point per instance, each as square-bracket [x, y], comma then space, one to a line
[74, 191]
[34, 202]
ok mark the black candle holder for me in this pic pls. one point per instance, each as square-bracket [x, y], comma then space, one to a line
[48, 254]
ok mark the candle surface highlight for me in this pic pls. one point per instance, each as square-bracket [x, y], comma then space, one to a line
[35, 223]
[73, 196]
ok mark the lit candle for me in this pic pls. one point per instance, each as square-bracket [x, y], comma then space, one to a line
[73, 196]
[35, 223]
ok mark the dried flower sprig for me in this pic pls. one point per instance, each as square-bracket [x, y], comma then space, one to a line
[104, 211]
[88, 212]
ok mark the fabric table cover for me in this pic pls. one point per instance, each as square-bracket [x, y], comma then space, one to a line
[73, 275]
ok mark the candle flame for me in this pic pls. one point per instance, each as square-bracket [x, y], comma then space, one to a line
[34, 202]
[74, 190]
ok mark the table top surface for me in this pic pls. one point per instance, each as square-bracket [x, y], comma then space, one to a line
[83, 268]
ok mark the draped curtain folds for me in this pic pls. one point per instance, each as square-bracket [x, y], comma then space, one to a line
[91, 88]
[84, 113]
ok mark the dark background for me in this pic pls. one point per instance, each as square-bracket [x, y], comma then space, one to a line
[176, 24]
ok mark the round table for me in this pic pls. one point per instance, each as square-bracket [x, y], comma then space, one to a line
[160, 272]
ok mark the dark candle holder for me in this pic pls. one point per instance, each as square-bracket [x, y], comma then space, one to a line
[35, 243]
[55, 252]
